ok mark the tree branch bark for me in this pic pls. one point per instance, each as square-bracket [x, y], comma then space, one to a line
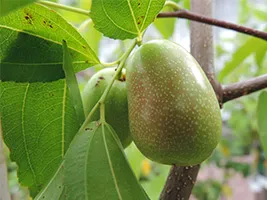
[185, 14]
[4, 191]
[180, 183]
[235, 90]
[181, 180]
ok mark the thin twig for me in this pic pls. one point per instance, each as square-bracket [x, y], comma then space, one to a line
[235, 90]
[185, 14]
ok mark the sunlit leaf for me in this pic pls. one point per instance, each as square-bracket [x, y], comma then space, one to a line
[31, 45]
[249, 47]
[123, 19]
[260, 55]
[92, 36]
[244, 8]
[166, 25]
[135, 158]
[96, 167]
[259, 12]
[186, 4]
[9, 5]
[262, 120]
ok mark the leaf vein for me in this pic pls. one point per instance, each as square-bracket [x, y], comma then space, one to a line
[23, 133]
[110, 164]
[128, 31]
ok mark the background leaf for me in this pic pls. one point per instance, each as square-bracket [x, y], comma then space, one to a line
[9, 5]
[251, 46]
[96, 167]
[31, 49]
[262, 120]
[166, 25]
[92, 36]
[260, 55]
[38, 123]
[123, 19]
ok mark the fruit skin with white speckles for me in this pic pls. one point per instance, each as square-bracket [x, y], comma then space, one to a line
[116, 105]
[173, 111]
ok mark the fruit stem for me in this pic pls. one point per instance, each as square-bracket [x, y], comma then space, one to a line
[173, 5]
[64, 7]
[103, 97]
[118, 71]
[102, 112]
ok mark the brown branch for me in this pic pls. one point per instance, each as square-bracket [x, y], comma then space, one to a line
[180, 182]
[185, 14]
[235, 90]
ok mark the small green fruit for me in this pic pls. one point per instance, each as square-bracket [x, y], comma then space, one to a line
[173, 111]
[116, 105]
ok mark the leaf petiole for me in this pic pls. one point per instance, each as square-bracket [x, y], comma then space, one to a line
[104, 95]
[64, 7]
[102, 113]
[173, 5]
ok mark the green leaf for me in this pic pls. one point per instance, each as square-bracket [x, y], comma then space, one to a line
[91, 35]
[10, 5]
[249, 47]
[39, 122]
[262, 120]
[135, 158]
[186, 4]
[166, 25]
[31, 48]
[72, 84]
[259, 12]
[244, 8]
[55, 187]
[124, 19]
[96, 167]
[260, 55]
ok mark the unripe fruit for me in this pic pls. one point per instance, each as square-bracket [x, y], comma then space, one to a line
[116, 105]
[173, 111]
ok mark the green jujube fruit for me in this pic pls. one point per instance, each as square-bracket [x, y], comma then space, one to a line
[173, 111]
[116, 105]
